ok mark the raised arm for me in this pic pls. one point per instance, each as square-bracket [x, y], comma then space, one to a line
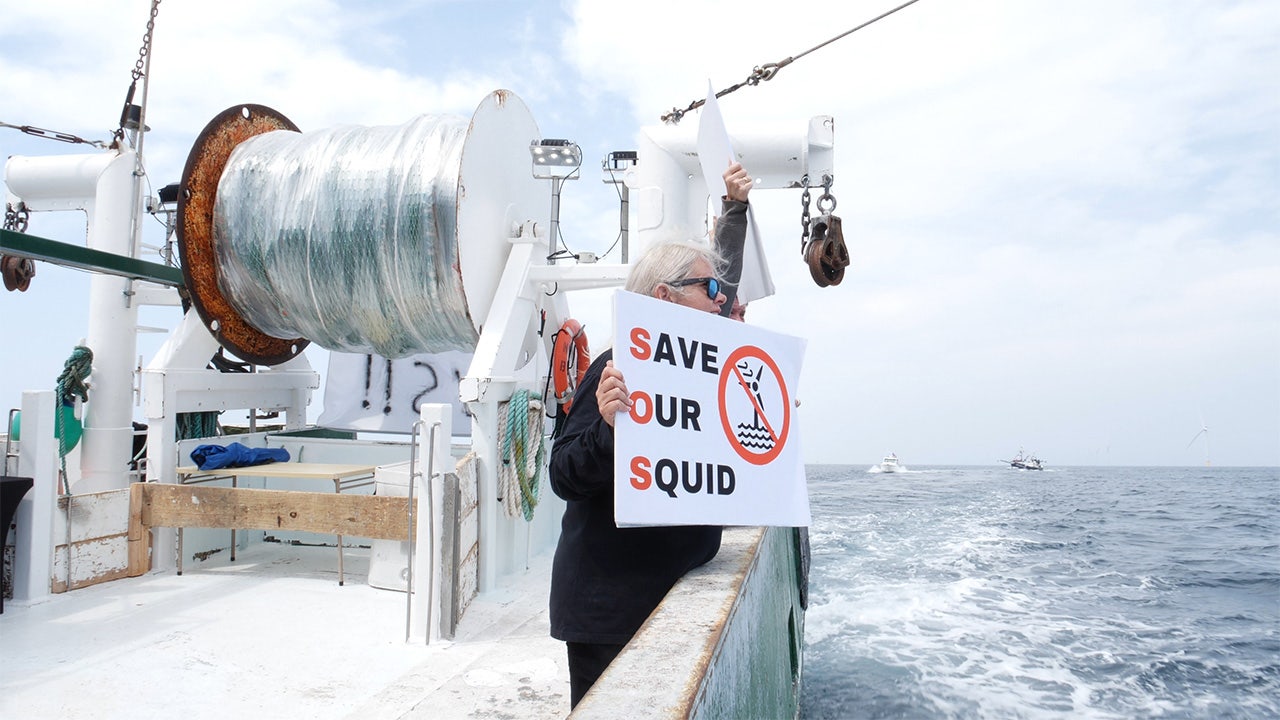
[731, 229]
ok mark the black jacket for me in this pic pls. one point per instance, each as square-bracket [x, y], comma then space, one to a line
[730, 242]
[605, 580]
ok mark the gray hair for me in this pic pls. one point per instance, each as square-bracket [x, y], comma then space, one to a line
[670, 260]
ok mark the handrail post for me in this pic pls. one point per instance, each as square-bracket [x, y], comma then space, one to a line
[408, 590]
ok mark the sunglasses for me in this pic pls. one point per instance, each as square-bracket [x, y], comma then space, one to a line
[713, 284]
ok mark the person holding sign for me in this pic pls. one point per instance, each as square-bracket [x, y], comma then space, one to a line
[605, 580]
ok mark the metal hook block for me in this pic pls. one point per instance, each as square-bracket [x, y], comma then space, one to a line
[826, 253]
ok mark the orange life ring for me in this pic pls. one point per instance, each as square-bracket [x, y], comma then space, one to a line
[569, 361]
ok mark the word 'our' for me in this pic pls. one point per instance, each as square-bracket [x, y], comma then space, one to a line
[669, 409]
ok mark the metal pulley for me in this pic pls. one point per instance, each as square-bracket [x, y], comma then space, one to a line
[822, 241]
[826, 253]
[17, 272]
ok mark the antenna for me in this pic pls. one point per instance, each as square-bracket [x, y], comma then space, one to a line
[1204, 430]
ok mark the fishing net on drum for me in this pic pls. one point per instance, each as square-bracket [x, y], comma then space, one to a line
[347, 237]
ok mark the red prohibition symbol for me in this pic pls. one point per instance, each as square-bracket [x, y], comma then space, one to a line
[755, 410]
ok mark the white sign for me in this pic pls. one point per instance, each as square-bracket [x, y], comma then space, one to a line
[712, 437]
[715, 153]
[374, 394]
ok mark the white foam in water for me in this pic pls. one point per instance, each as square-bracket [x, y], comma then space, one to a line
[975, 594]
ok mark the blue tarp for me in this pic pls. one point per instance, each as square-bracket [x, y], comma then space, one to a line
[212, 457]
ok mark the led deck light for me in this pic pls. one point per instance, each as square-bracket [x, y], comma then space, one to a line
[553, 158]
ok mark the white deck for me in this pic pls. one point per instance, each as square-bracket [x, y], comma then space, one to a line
[274, 636]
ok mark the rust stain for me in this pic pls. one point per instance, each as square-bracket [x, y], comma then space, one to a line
[202, 556]
[197, 245]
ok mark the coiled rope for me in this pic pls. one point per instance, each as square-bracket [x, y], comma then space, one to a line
[71, 386]
[347, 237]
[520, 426]
[197, 425]
[75, 370]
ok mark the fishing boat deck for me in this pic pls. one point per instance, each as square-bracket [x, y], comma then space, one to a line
[274, 635]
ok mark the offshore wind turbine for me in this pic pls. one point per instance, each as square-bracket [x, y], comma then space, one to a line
[1204, 430]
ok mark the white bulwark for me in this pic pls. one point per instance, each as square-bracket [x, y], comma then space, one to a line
[712, 437]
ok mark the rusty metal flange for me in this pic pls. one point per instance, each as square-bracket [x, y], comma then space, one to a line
[197, 246]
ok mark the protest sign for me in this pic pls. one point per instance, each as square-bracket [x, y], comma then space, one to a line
[372, 393]
[712, 437]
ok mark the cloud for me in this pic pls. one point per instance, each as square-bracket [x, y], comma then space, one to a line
[1062, 216]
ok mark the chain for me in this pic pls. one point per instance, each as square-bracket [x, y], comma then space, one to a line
[139, 68]
[804, 213]
[770, 70]
[15, 219]
[826, 196]
[146, 41]
[826, 205]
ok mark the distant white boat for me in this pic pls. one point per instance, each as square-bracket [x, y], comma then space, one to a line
[891, 464]
[1025, 462]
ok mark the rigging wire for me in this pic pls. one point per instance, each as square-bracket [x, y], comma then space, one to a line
[769, 70]
[54, 135]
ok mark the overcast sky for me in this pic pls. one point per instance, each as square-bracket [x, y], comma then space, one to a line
[1064, 218]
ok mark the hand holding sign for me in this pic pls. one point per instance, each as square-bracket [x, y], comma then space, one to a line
[611, 393]
[737, 182]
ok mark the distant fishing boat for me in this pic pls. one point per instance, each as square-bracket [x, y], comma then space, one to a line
[1022, 461]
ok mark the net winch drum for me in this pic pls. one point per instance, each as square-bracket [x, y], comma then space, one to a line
[477, 192]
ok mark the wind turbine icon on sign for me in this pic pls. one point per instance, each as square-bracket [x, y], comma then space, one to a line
[1204, 430]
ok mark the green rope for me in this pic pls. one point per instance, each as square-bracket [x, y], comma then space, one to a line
[71, 385]
[515, 447]
[196, 425]
[74, 371]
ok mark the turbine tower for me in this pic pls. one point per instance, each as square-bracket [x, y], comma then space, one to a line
[1204, 430]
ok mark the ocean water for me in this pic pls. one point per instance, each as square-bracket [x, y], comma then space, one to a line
[1075, 592]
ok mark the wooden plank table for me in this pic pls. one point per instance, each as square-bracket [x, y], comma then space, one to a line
[343, 477]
